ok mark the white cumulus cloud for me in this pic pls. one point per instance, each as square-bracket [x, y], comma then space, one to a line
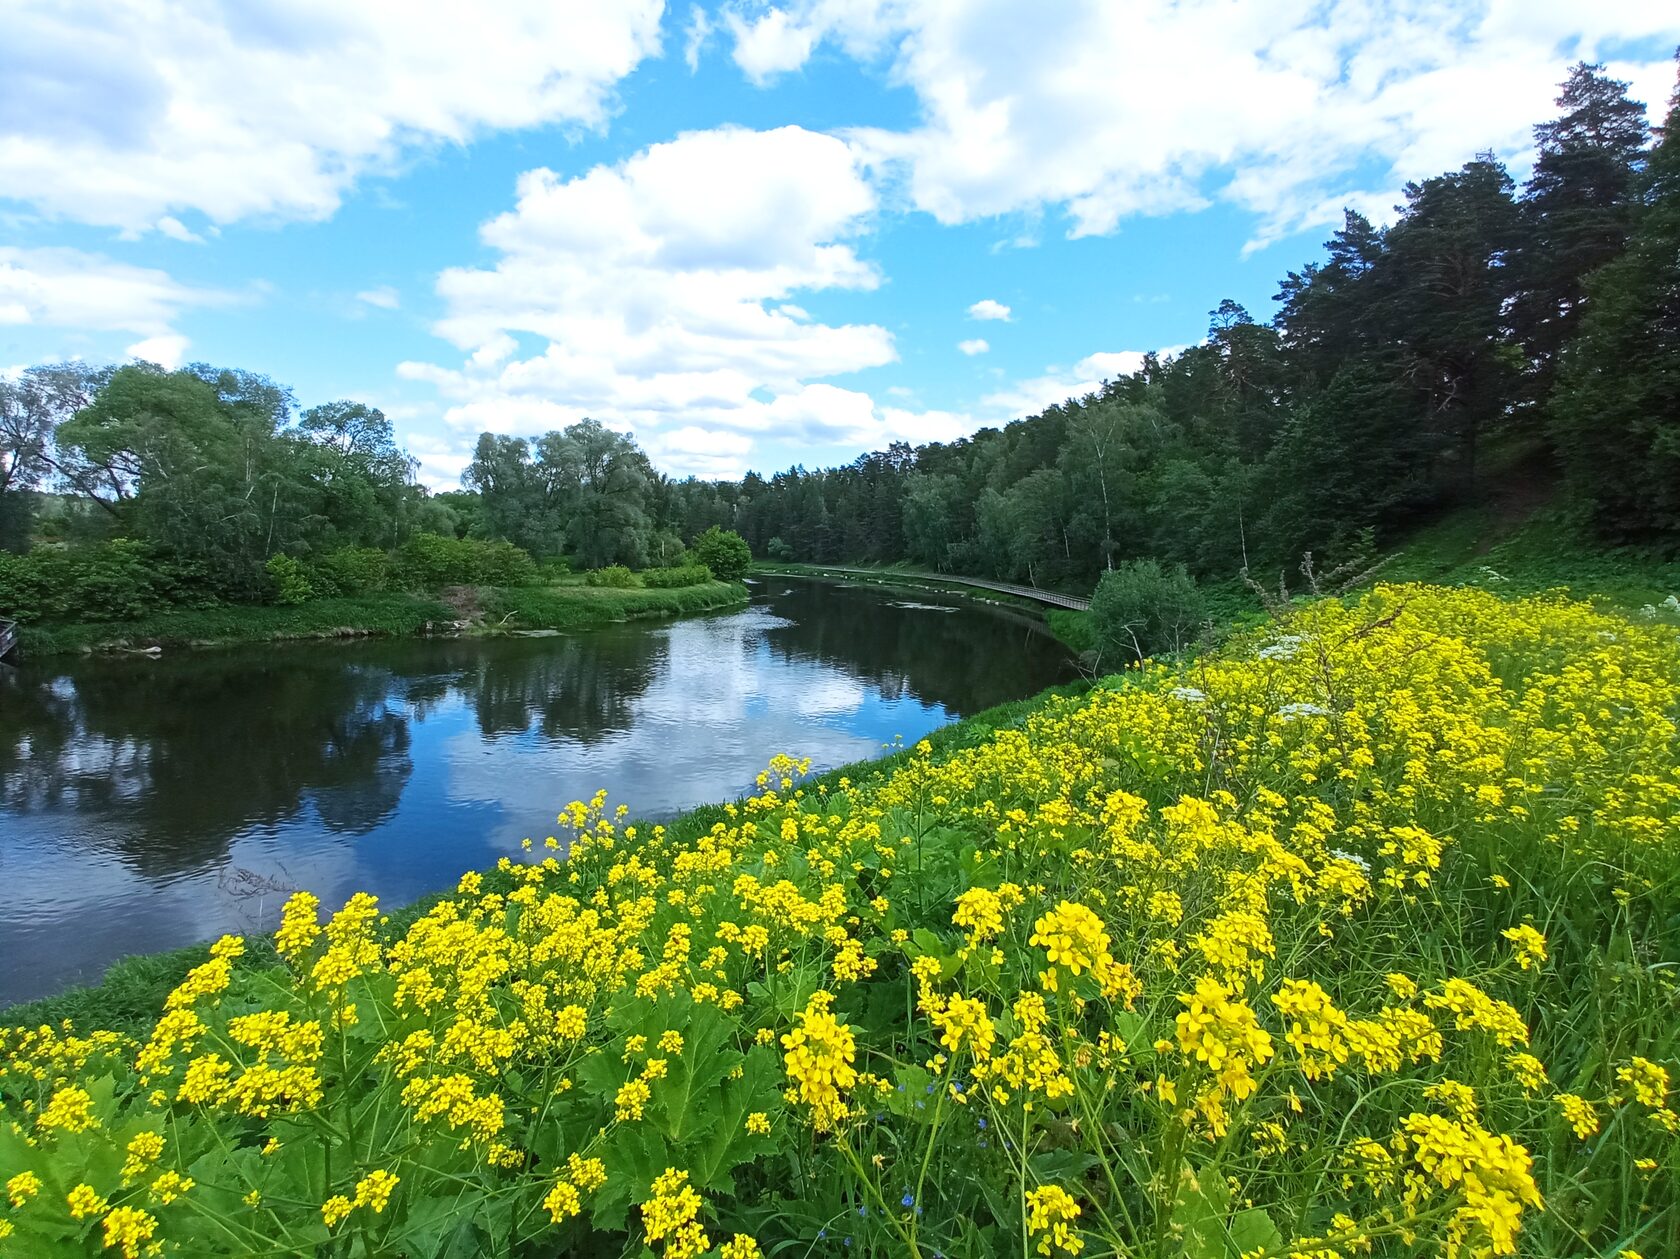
[69, 288]
[384, 296]
[976, 345]
[1032, 395]
[987, 308]
[124, 115]
[1104, 109]
[660, 289]
[169, 350]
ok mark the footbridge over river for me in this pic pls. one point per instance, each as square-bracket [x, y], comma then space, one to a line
[8, 642]
[1054, 598]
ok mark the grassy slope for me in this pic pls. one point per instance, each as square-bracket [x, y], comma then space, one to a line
[132, 991]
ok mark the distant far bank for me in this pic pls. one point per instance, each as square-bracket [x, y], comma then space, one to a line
[481, 611]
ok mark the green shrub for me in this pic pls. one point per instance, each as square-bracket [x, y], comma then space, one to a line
[113, 581]
[725, 552]
[673, 578]
[614, 576]
[352, 570]
[778, 550]
[428, 560]
[1141, 609]
[291, 582]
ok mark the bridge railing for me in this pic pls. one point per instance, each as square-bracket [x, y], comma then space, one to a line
[8, 638]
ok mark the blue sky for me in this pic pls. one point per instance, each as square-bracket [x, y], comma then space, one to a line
[751, 234]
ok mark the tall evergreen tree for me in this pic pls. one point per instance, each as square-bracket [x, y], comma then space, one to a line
[1578, 209]
[1615, 417]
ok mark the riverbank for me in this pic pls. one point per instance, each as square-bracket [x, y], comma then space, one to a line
[1122, 908]
[132, 991]
[467, 611]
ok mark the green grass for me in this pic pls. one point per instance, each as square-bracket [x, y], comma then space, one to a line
[573, 606]
[383, 615]
[563, 605]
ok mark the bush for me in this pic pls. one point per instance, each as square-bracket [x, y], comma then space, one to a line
[429, 560]
[673, 578]
[614, 576]
[1141, 609]
[113, 581]
[352, 570]
[778, 550]
[291, 582]
[725, 552]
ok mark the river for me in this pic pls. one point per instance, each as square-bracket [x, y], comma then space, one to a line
[147, 804]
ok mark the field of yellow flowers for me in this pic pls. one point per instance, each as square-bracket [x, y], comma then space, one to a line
[1357, 936]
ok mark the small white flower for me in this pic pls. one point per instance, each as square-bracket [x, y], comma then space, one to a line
[1649, 611]
[1283, 647]
[1289, 712]
[1672, 603]
[1189, 694]
[1490, 575]
[1352, 858]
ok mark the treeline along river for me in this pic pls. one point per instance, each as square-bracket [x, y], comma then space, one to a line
[147, 804]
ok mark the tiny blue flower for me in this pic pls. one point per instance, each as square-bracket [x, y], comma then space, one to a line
[982, 1125]
[908, 1200]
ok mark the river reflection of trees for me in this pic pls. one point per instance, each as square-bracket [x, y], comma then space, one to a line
[961, 660]
[175, 756]
[163, 763]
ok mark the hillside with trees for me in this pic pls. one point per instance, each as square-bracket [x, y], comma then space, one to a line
[1490, 327]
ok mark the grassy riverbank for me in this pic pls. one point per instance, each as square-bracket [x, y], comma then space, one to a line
[1336, 938]
[485, 610]
[133, 989]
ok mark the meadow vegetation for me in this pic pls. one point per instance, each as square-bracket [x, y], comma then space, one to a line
[1353, 936]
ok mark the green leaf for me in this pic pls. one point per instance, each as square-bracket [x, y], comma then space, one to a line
[1253, 1229]
[1199, 1206]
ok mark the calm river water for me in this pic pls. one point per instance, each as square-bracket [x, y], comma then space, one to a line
[147, 804]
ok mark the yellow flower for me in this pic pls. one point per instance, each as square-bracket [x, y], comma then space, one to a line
[374, 1190]
[740, 1246]
[819, 1056]
[1051, 1211]
[84, 1202]
[144, 1149]
[1527, 944]
[670, 1216]
[335, 1209]
[1071, 936]
[22, 1187]
[1579, 1113]
[71, 1109]
[171, 1185]
[562, 1201]
[758, 1123]
[128, 1229]
[1647, 1081]
[631, 1100]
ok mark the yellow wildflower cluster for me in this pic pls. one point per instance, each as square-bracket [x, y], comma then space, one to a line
[1235, 947]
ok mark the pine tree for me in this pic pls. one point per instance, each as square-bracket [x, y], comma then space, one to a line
[1579, 207]
[1615, 417]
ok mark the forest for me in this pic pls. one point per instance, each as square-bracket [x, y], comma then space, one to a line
[1490, 335]
[1490, 332]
